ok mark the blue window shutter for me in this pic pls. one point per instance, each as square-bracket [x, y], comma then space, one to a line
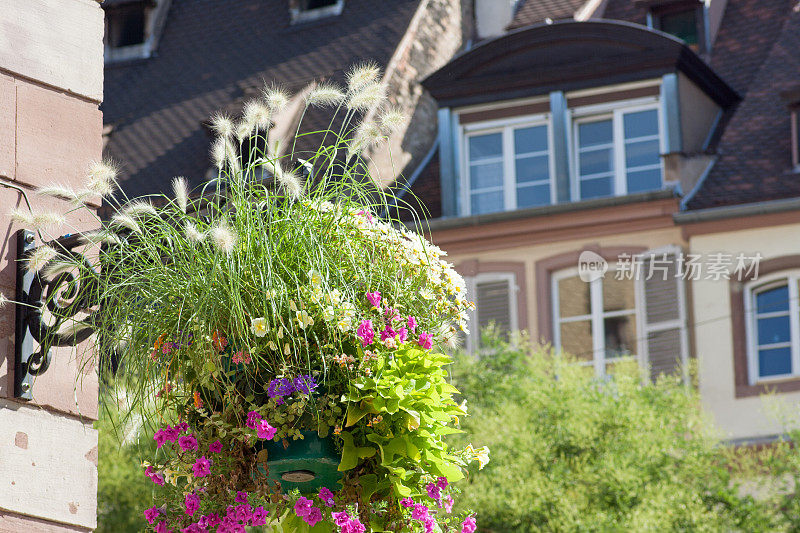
[671, 113]
[560, 120]
[448, 162]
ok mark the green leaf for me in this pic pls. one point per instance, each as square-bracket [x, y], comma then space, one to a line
[356, 412]
[369, 484]
[352, 453]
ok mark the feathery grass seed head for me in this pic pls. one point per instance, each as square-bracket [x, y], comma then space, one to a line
[222, 125]
[256, 115]
[367, 97]
[36, 220]
[223, 237]
[40, 257]
[360, 75]
[324, 94]
[102, 177]
[181, 190]
[139, 208]
[126, 221]
[192, 233]
[276, 98]
[392, 119]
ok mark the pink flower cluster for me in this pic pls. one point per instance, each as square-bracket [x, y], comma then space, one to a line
[170, 433]
[347, 524]
[395, 327]
[263, 429]
[305, 509]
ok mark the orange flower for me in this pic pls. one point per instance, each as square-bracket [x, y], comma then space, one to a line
[159, 341]
[218, 341]
[198, 402]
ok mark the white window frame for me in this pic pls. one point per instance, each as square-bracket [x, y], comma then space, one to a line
[596, 317]
[506, 127]
[298, 15]
[791, 278]
[615, 112]
[473, 339]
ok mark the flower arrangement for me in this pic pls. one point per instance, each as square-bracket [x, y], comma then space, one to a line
[280, 308]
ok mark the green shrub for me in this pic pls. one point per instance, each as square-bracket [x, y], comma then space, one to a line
[571, 452]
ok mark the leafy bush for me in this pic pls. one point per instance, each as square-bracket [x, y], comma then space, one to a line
[571, 452]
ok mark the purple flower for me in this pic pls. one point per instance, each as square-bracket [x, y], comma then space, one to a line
[151, 514]
[429, 524]
[326, 496]
[183, 427]
[161, 527]
[172, 433]
[265, 431]
[194, 528]
[210, 520]
[286, 387]
[187, 443]
[305, 384]
[388, 333]
[191, 503]
[252, 419]
[354, 526]
[441, 482]
[160, 437]
[313, 516]
[402, 334]
[241, 497]
[425, 340]
[434, 491]
[411, 323]
[374, 298]
[448, 504]
[303, 506]
[259, 516]
[469, 525]
[202, 467]
[365, 332]
[420, 511]
[215, 447]
[155, 477]
[407, 502]
[341, 518]
[243, 512]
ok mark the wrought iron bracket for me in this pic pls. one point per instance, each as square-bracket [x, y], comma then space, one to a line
[61, 298]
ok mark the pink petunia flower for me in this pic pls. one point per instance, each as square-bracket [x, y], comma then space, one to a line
[388, 333]
[407, 502]
[151, 514]
[258, 516]
[420, 511]
[365, 332]
[402, 334]
[252, 419]
[155, 477]
[210, 520]
[302, 506]
[411, 323]
[326, 496]
[191, 503]
[469, 525]
[441, 482]
[340, 518]
[201, 467]
[160, 437]
[448, 504]
[434, 491]
[374, 298]
[241, 497]
[265, 431]
[314, 515]
[430, 523]
[425, 340]
[161, 527]
[215, 447]
[188, 443]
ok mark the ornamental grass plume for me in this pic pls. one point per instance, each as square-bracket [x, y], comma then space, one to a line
[180, 188]
[40, 257]
[275, 97]
[324, 95]
[102, 178]
[39, 220]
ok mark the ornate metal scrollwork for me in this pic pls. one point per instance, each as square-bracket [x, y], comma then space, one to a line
[46, 305]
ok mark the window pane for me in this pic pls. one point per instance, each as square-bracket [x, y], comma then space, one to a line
[576, 339]
[620, 335]
[533, 195]
[573, 297]
[487, 202]
[532, 168]
[774, 330]
[640, 123]
[596, 161]
[486, 175]
[618, 294]
[774, 362]
[492, 306]
[771, 300]
[530, 139]
[484, 146]
[682, 25]
[644, 180]
[597, 188]
[594, 133]
[642, 153]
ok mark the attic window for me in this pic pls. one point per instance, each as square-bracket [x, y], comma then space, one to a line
[310, 10]
[125, 25]
[684, 20]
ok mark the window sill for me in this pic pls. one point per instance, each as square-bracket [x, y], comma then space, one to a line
[781, 385]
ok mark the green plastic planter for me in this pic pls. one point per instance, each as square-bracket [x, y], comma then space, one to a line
[306, 465]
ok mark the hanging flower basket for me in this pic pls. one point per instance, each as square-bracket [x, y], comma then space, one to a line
[305, 465]
[282, 338]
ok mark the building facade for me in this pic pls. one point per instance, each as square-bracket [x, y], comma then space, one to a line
[51, 86]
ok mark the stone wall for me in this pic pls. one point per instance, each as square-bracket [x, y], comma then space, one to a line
[51, 85]
[439, 29]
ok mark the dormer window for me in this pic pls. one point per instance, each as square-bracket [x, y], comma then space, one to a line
[617, 152]
[132, 28]
[507, 166]
[310, 10]
[684, 20]
[125, 24]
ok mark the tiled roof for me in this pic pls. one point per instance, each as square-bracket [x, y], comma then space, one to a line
[425, 196]
[754, 153]
[211, 55]
[536, 11]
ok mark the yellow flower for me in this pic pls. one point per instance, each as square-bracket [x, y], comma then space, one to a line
[259, 326]
[304, 319]
[315, 278]
[482, 456]
[286, 349]
[329, 313]
[272, 346]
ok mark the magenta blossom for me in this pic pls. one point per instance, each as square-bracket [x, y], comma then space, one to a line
[365, 332]
[155, 477]
[252, 419]
[187, 443]
[448, 504]
[259, 516]
[388, 333]
[265, 431]
[191, 503]
[313, 516]
[215, 447]
[411, 323]
[420, 511]
[183, 427]
[402, 334]
[160, 437]
[340, 518]
[469, 525]
[374, 298]
[426, 340]
[441, 482]
[430, 523]
[241, 497]
[302, 506]
[161, 527]
[210, 520]
[407, 502]
[434, 491]
[151, 514]
[194, 528]
[202, 467]
[326, 496]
